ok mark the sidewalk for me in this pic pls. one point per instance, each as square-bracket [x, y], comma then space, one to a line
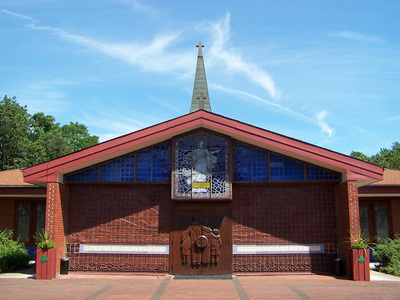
[166, 287]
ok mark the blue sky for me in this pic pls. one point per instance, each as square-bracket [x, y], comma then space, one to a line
[325, 72]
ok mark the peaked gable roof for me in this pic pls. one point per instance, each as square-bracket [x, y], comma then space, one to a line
[351, 168]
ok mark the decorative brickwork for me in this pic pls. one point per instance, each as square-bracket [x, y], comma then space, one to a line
[119, 263]
[349, 217]
[285, 214]
[274, 263]
[56, 202]
[118, 214]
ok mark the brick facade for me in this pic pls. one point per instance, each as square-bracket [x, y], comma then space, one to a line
[395, 213]
[7, 213]
[118, 214]
[285, 214]
[349, 218]
[56, 203]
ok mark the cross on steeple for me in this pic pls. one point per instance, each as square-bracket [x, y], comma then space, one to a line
[200, 46]
[200, 98]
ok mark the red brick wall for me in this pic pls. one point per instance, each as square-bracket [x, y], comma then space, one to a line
[7, 214]
[118, 214]
[285, 214]
[395, 208]
[56, 202]
[349, 218]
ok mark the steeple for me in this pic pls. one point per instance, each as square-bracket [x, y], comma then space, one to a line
[200, 99]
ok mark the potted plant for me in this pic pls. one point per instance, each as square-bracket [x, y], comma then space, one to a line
[45, 256]
[359, 257]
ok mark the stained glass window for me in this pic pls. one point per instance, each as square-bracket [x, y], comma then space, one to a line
[152, 165]
[201, 166]
[24, 213]
[317, 173]
[86, 175]
[381, 216]
[251, 164]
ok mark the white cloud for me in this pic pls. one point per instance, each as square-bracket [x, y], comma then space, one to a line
[356, 36]
[20, 16]
[321, 122]
[152, 56]
[234, 63]
[140, 8]
[261, 100]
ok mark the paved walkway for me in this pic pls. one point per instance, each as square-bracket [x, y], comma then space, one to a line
[165, 287]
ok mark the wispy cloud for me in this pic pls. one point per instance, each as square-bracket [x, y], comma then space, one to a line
[321, 122]
[394, 118]
[19, 15]
[140, 7]
[152, 56]
[234, 63]
[356, 36]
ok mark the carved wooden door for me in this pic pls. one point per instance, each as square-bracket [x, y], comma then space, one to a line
[201, 238]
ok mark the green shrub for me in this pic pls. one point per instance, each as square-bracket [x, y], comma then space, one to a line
[387, 252]
[13, 255]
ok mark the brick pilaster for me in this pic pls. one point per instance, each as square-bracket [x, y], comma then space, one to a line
[349, 218]
[56, 217]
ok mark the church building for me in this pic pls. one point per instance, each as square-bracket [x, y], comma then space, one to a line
[203, 194]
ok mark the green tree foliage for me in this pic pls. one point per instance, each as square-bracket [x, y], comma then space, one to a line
[27, 140]
[13, 255]
[388, 158]
[387, 252]
[14, 129]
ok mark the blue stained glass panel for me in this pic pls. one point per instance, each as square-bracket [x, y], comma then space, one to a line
[294, 169]
[242, 164]
[143, 166]
[317, 173]
[85, 175]
[260, 164]
[276, 167]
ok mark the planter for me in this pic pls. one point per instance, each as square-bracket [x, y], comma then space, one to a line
[359, 264]
[45, 263]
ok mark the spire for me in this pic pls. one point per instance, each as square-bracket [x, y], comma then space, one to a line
[200, 99]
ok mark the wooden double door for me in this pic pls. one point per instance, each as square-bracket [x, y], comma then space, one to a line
[201, 238]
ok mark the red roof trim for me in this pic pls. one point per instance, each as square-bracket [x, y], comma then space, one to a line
[47, 172]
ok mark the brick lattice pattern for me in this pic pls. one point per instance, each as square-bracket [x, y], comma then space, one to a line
[118, 214]
[285, 214]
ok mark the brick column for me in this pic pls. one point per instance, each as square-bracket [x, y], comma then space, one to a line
[349, 218]
[56, 217]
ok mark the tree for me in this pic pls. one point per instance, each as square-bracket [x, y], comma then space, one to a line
[387, 158]
[14, 129]
[39, 137]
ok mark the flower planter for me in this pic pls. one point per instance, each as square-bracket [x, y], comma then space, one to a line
[45, 263]
[359, 264]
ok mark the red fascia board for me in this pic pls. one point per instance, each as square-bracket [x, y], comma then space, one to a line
[22, 191]
[48, 171]
[375, 189]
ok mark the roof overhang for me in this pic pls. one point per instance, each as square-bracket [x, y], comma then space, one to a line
[22, 192]
[351, 168]
[379, 191]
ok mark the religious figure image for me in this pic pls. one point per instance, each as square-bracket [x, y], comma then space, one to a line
[216, 244]
[200, 244]
[201, 161]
